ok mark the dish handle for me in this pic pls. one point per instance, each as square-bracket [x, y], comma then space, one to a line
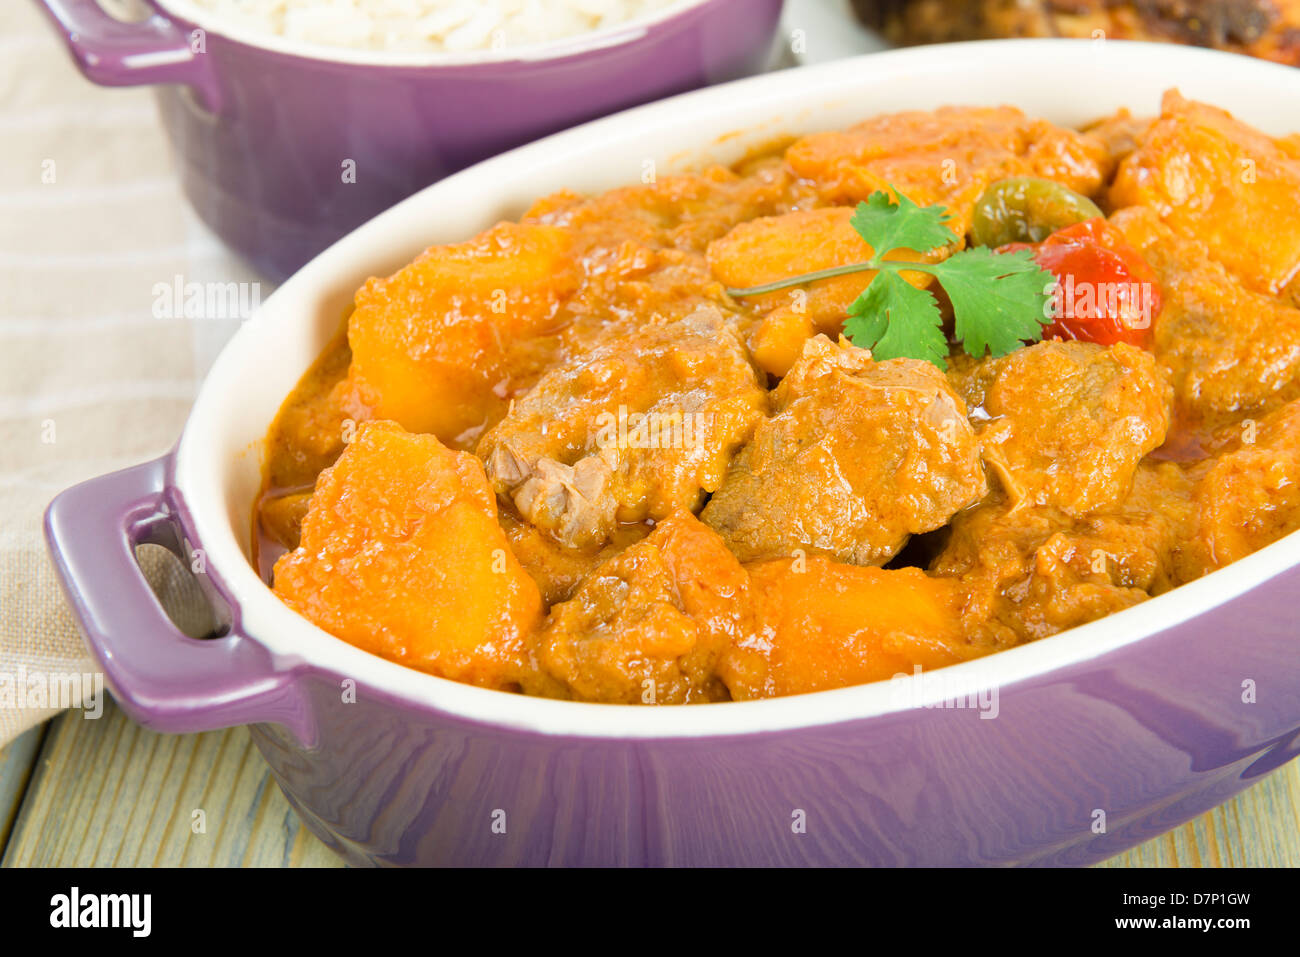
[113, 52]
[162, 678]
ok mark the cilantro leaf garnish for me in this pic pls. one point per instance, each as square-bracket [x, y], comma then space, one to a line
[998, 299]
[887, 225]
[901, 320]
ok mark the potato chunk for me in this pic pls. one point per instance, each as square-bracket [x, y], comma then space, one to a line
[1223, 183]
[946, 156]
[401, 555]
[649, 625]
[777, 247]
[858, 456]
[431, 344]
[821, 625]
[1066, 423]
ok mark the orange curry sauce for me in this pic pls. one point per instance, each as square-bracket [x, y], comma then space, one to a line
[559, 458]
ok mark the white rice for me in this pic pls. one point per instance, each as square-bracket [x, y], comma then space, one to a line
[428, 26]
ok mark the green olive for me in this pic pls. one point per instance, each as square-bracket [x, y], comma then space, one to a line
[1027, 210]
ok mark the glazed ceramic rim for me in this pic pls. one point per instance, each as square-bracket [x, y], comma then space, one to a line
[616, 35]
[278, 343]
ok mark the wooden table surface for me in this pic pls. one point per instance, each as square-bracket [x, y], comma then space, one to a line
[107, 792]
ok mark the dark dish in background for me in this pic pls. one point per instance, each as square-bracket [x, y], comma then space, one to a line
[1269, 29]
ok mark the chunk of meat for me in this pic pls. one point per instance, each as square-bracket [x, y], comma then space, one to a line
[1228, 349]
[310, 428]
[1249, 497]
[649, 625]
[1066, 423]
[435, 345]
[1223, 183]
[820, 625]
[307, 436]
[402, 556]
[627, 285]
[684, 212]
[1119, 134]
[637, 428]
[1039, 571]
[558, 569]
[280, 516]
[947, 156]
[777, 247]
[859, 455]
[641, 248]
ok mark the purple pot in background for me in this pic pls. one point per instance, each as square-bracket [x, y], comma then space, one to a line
[267, 140]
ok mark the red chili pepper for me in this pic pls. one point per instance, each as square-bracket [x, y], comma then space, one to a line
[1107, 293]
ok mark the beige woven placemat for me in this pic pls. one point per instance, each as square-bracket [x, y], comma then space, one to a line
[91, 220]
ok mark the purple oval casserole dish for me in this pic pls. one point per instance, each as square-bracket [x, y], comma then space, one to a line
[1088, 742]
[263, 127]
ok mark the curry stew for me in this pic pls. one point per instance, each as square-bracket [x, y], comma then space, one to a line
[565, 458]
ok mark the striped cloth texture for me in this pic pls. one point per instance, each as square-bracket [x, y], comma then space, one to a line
[92, 219]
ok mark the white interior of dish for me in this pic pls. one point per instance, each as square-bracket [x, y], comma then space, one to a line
[581, 43]
[1068, 82]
